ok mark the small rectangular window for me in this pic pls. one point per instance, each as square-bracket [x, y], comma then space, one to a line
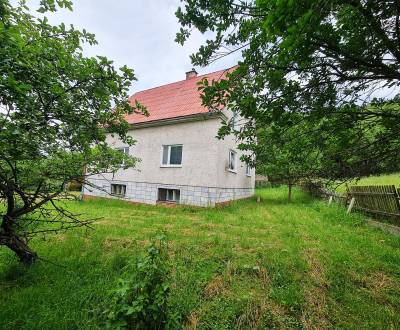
[124, 150]
[248, 170]
[235, 121]
[169, 195]
[118, 190]
[172, 155]
[232, 161]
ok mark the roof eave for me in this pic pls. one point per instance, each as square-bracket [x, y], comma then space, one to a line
[180, 119]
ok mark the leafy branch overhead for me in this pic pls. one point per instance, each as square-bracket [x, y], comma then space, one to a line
[334, 64]
[56, 107]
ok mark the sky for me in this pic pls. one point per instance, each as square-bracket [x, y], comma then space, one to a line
[140, 34]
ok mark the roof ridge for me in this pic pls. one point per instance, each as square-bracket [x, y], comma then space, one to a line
[180, 81]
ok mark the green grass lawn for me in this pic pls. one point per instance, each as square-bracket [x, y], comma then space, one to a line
[248, 265]
[385, 179]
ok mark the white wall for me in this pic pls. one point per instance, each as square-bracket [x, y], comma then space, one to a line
[204, 157]
[226, 178]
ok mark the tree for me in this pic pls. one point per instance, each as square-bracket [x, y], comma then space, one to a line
[56, 107]
[335, 62]
[288, 157]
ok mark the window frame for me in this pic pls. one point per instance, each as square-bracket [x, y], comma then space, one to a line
[234, 169]
[235, 121]
[169, 155]
[124, 150]
[120, 185]
[248, 170]
[175, 193]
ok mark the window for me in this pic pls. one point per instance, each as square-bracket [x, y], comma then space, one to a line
[172, 155]
[118, 189]
[235, 121]
[248, 170]
[124, 150]
[169, 195]
[232, 161]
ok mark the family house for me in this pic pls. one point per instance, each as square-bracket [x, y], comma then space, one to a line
[182, 161]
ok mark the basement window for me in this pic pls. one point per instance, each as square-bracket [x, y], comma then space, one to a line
[169, 195]
[118, 190]
[171, 155]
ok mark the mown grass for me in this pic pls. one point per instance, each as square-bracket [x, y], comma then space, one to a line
[385, 179]
[249, 265]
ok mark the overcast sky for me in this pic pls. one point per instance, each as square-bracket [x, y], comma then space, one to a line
[140, 34]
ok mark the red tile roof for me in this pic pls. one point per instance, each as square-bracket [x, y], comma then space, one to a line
[173, 100]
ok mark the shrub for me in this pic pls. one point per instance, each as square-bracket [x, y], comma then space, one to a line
[140, 301]
[74, 186]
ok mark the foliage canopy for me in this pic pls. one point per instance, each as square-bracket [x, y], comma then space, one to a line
[334, 64]
[56, 107]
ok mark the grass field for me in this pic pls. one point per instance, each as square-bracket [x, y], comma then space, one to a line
[248, 265]
[386, 179]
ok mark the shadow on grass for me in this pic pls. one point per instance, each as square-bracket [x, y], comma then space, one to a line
[17, 273]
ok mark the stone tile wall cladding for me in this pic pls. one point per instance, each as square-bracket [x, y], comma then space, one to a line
[143, 192]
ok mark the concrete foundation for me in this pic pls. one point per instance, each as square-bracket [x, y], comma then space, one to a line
[143, 192]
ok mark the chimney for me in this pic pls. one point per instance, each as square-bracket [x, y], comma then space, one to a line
[191, 74]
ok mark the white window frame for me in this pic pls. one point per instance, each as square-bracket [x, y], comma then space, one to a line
[169, 155]
[125, 150]
[234, 169]
[248, 170]
[235, 121]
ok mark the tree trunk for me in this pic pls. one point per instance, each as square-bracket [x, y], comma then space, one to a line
[290, 192]
[22, 250]
[17, 244]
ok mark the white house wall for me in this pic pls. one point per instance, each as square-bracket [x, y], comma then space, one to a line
[202, 179]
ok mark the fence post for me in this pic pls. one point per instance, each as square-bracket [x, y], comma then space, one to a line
[397, 197]
[330, 200]
[351, 205]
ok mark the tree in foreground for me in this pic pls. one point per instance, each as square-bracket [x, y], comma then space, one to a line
[334, 63]
[55, 110]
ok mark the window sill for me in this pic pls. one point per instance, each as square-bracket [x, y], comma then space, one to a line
[248, 175]
[232, 171]
[171, 166]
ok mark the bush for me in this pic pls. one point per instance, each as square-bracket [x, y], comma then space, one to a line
[74, 186]
[140, 302]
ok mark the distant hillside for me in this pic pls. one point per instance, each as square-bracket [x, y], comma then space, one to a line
[387, 179]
